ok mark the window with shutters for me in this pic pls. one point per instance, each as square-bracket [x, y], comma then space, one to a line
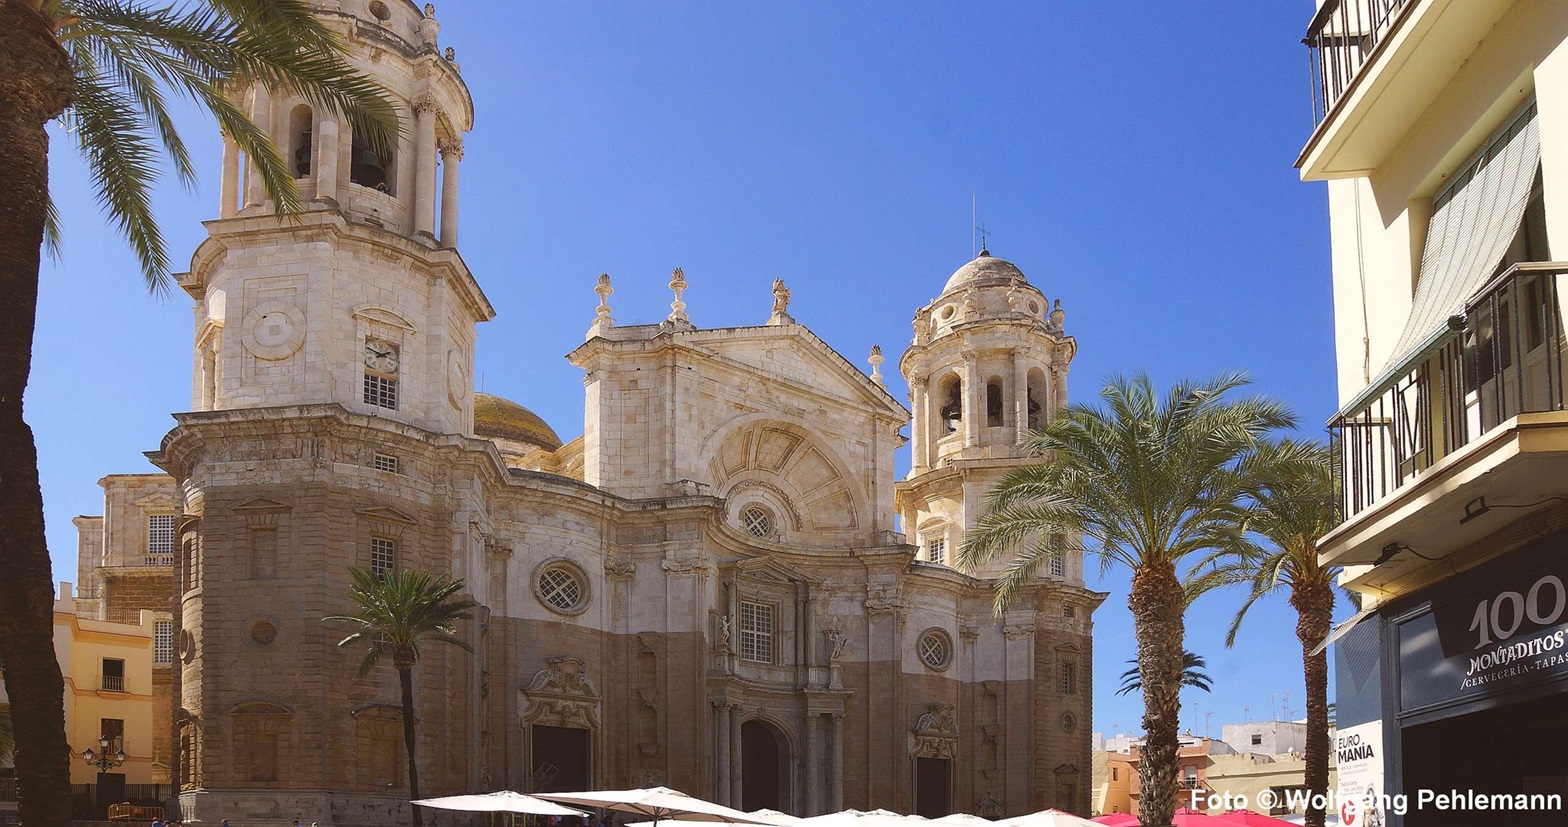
[383, 556]
[160, 539]
[756, 632]
[163, 641]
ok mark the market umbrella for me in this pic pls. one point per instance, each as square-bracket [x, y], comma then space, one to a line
[502, 801]
[964, 820]
[1188, 817]
[765, 815]
[1051, 818]
[1117, 820]
[865, 818]
[1248, 818]
[661, 804]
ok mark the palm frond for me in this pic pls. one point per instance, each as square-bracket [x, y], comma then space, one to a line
[123, 165]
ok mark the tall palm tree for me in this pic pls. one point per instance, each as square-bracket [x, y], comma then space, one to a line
[1192, 674]
[107, 67]
[399, 612]
[1149, 482]
[1295, 503]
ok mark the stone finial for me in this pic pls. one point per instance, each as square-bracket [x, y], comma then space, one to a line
[678, 318]
[429, 29]
[876, 359]
[922, 329]
[780, 313]
[1058, 315]
[602, 320]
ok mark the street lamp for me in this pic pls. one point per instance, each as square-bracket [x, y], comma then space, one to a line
[103, 759]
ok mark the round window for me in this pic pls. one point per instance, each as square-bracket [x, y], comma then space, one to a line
[947, 312]
[757, 521]
[380, 11]
[561, 588]
[936, 649]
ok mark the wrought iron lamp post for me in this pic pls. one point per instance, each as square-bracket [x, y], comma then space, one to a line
[103, 759]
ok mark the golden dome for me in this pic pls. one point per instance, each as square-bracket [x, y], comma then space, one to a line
[497, 418]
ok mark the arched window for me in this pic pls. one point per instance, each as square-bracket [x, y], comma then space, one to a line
[1036, 399]
[301, 127]
[371, 168]
[952, 410]
[993, 402]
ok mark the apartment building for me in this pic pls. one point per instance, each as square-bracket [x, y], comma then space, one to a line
[1442, 133]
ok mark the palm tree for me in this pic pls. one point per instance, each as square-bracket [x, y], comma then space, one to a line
[106, 67]
[397, 613]
[1296, 502]
[1150, 483]
[1192, 674]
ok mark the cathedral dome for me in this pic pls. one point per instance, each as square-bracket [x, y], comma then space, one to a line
[497, 418]
[985, 269]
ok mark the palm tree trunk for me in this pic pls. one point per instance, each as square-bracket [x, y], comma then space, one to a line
[1314, 604]
[405, 676]
[1158, 604]
[35, 86]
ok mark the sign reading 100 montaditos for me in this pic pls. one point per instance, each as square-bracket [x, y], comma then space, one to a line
[1507, 634]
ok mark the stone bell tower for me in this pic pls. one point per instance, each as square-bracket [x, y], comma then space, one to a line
[988, 364]
[363, 300]
[331, 378]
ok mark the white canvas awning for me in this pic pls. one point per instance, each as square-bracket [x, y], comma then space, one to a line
[1474, 219]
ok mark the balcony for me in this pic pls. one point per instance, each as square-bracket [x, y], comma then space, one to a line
[1377, 66]
[1342, 37]
[1482, 414]
[114, 683]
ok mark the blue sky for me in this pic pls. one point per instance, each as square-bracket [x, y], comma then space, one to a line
[1133, 158]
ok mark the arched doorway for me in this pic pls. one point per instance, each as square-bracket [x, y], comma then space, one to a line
[762, 764]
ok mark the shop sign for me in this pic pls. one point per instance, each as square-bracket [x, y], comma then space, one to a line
[1512, 632]
[1358, 753]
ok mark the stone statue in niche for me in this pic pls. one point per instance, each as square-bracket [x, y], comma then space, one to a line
[723, 644]
[836, 641]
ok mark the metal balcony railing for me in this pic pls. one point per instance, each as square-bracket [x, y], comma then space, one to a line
[114, 683]
[1342, 38]
[1504, 357]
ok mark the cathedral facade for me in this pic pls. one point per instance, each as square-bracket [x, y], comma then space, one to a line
[721, 585]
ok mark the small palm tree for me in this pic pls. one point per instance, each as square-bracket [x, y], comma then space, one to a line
[106, 69]
[398, 612]
[1151, 482]
[1192, 674]
[1295, 502]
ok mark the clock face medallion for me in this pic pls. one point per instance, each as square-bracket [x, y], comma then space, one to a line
[380, 356]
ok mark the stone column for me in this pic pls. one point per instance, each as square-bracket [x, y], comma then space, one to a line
[327, 155]
[721, 776]
[229, 183]
[974, 401]
[836, 762]
[451, 154]
[813, 765]
[261, 115]
[1020, 397]
[735, 757]
[920, 452]
[425, 166]
[1058, 389]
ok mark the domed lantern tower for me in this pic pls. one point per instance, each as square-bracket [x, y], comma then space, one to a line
[988, 364]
